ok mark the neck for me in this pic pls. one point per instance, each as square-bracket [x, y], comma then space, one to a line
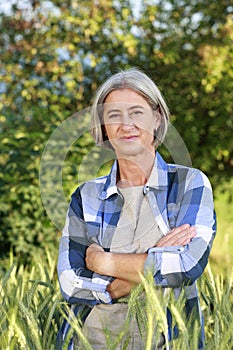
[134, 172]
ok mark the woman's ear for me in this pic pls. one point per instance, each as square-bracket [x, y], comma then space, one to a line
[157, 119]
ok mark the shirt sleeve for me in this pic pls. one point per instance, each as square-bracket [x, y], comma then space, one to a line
[77, 283]
[177, 266]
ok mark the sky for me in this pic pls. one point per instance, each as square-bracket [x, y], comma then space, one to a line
[5, 5]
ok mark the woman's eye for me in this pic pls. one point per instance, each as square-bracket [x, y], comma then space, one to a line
[114, 116]
[136, 113]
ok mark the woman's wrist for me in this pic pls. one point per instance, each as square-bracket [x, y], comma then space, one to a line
[104, 263]
[101, 262]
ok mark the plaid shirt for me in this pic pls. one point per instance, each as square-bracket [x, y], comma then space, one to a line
[177, 195]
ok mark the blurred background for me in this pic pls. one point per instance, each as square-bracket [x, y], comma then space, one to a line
[54, 54]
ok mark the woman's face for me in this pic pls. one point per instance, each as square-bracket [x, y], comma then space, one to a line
[129, 122]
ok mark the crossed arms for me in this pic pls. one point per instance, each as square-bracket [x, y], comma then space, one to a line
[128, 268]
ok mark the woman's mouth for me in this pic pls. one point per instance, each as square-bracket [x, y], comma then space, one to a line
[129, 138]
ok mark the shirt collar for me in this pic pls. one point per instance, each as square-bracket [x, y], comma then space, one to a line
[110, 186]
[158, 177]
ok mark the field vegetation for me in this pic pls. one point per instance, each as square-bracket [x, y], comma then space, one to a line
[32, 308]
[54, 54]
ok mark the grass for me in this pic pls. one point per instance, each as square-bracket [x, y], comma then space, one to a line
[222, 252]
[32, 309]
[30, 297]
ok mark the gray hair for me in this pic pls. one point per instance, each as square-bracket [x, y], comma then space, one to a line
[135, 80]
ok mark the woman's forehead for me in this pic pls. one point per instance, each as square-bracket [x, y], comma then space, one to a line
[125, 97]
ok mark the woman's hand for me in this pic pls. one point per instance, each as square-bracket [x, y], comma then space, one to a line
[120, 288]
[181, 235]
[94, 257]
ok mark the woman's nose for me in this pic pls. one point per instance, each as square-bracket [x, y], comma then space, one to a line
[127, 121]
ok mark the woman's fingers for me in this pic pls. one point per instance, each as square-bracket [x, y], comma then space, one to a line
[94, 247]
[181, 235]
[92, 258]
[119, 288]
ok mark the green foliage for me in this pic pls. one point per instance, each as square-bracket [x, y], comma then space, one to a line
[190, 56]
[30, 305]
[53, 57]
[52, 60]
[218, 307]
[32, 311]
[222, 252]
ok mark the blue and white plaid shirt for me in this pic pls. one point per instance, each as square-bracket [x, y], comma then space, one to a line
[177, 195]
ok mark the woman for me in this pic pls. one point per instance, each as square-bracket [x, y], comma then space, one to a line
[146, 215]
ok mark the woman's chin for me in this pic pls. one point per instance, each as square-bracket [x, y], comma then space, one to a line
[131, 149]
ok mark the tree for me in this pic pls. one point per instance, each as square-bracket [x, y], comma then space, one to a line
[52, 60]
[55, 54]
[186, 47]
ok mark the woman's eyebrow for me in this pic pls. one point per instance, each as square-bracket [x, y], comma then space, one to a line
[119, 110]
[113, 110]
[136, 106]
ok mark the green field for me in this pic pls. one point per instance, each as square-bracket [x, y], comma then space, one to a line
[32, 308]
[222, 253]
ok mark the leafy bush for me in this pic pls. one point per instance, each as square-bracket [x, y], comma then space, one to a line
[53, 57]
